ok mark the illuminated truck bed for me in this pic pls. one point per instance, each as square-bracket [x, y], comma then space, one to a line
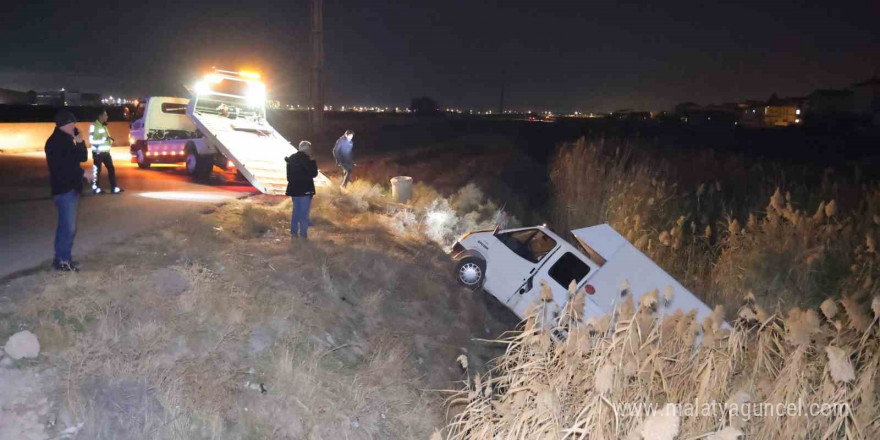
[228, 109]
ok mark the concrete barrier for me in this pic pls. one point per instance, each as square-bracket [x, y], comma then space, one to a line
[20, 137]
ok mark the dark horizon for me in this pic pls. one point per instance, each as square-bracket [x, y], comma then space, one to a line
[554, 55]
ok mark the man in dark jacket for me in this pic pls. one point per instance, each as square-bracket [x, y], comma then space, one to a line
[65, 150]
[301, 173]
[344, 155]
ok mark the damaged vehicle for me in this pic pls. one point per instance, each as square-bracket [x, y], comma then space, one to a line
[512, 264]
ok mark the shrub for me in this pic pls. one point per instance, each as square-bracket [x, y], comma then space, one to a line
[632, 374]
[718, 240]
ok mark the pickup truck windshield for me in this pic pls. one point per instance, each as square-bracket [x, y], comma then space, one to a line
[531, 244]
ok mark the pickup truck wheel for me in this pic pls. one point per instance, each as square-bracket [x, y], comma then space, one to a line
[470, 272]
[142, 161]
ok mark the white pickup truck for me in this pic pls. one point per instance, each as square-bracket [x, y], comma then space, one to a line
[511, 264]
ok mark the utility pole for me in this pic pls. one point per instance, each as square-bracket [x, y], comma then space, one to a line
[316, 89]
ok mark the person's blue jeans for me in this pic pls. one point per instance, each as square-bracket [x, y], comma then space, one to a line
[346, 173]
[299, 221]
[66, 204]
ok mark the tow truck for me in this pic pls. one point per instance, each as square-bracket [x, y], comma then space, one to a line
[512, 264]
[164, 134]
[223, 124]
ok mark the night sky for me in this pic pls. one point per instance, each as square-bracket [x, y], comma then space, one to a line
[573, 55]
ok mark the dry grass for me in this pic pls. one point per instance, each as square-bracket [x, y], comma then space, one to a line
[724, 238]
[725, 249]
[574, 389]
[173, 336]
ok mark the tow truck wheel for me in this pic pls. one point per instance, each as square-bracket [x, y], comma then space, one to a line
[142, 161]
[192, 162]
[198, 166]
[205, 167]
[470, 272]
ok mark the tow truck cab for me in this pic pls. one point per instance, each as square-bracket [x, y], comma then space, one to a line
[163, 133]
[511, 264]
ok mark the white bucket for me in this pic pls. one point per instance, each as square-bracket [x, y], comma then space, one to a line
[401, 189]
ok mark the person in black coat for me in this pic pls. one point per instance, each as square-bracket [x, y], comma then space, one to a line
[301, 173]
[65, 150]
[343, 152]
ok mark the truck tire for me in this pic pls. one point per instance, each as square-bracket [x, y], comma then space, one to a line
[470, 272]
[198, 166]
[206, 166]
[142, 161]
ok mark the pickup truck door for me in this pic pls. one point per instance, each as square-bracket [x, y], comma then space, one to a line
[514, 259]
[505, 269]
[558, 270]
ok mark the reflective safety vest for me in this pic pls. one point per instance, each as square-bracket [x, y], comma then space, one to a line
[99, 137]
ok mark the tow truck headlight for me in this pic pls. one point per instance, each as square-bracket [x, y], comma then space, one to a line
[202, 88]
[256, 93]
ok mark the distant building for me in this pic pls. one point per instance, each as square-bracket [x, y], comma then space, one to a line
[830, 108]
[866, 100]
[53, 98]
[12, 97]
[776, 112]
[748, 114]
[830, 102]
[784, 112]
[70, 98]
[692, 113]
[781, 115]
[90, 99]
[686, 108]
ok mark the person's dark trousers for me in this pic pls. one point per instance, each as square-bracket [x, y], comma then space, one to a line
[346, 174]
[66, 204]
[105, 159]
[299, 221]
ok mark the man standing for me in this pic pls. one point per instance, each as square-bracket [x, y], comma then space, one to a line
[99, 137]
[65, 149]
[301, 172]
[344, 155]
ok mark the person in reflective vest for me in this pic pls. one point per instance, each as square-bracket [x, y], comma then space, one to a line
[99, 138]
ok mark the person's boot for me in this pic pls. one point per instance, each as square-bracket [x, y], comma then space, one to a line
[66, 266]
[97, 189]
[117, 190]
